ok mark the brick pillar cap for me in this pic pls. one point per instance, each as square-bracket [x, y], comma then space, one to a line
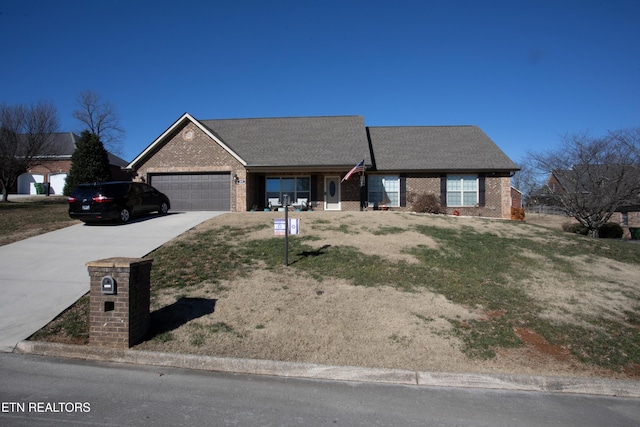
[117, 262]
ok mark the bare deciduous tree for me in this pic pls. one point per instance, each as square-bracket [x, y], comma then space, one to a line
[527, 180]
[26, 139]
[592, 178]
[100, 118]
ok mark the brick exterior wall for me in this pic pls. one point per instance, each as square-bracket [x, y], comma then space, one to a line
[350, 193]
[497, 195]
[516, 198]
[190, 150]
[120, 320]
[51, 168]
[505, 191]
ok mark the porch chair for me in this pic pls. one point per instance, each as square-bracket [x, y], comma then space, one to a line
[274, 203]
[302, 204]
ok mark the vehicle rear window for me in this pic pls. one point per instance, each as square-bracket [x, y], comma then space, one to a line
[90, 191]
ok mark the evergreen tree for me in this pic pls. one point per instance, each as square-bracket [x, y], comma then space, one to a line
[89, 162]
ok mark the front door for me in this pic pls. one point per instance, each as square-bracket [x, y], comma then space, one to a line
[332, 193]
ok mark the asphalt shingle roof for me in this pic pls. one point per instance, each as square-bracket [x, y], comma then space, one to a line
[437, 148]
[64, 144]
[295, 141]
[60, 144]
[342, 141]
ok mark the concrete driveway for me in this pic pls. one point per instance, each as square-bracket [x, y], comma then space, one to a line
[41, 276]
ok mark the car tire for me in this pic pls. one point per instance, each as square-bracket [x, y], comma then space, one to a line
[163, 209]
[125, 215]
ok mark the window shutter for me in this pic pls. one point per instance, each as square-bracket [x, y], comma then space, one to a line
[481, 191]
[314, 190]
[262, 189]
[443, 191]
[403, 191]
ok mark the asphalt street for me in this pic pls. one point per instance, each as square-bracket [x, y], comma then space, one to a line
[41, 276]
[38, 390]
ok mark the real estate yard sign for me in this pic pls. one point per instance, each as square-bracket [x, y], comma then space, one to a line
[280, 228]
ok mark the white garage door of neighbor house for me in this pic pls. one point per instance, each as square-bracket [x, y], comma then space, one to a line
[196, 192]
[26, 183]
[56, 183]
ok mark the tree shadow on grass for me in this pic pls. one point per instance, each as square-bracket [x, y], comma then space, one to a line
[171, 317]
[307, 254]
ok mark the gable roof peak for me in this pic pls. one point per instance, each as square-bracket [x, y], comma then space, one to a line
[185, 117]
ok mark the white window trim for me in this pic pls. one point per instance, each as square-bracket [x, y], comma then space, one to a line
[397, 177]
[461, 191]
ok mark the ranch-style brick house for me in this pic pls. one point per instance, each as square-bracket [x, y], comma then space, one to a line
[250, 164]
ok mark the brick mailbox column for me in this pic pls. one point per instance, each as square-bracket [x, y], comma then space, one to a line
[119, 299]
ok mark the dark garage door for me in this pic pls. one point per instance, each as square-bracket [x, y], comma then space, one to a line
[198, 192]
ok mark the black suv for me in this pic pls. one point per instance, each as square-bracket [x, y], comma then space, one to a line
[118, 200]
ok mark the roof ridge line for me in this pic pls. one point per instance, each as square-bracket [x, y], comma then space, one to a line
[283, 117]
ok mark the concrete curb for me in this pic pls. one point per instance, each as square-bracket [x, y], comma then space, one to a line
[621, 388]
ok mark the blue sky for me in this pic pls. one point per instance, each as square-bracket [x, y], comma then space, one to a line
[526, 72]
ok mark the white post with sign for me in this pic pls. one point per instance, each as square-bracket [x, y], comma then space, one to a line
[285, 203]
[285, 226]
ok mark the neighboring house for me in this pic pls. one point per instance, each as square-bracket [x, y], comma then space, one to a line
[516, 198]
[244, 164]
[581, 179]
[595, 180]
[53, 169]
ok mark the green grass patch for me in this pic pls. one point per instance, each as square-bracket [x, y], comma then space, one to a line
[324, 225]
[474, 269]
[71, 326]
[199, 332]
[28, 217]
[481, 338]
[423, 318]
[207, 257]
[163, 337]
[388, 230]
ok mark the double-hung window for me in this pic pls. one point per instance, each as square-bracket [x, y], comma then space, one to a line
[298, 187]
[462, 190]
[384, 190]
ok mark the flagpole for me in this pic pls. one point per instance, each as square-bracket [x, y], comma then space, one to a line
[362, 187]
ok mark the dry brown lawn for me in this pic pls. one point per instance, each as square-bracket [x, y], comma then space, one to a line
[285, 314]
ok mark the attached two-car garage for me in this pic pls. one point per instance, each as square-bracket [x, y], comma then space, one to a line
[195, 192]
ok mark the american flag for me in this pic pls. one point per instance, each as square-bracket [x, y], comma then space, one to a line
[357, 168]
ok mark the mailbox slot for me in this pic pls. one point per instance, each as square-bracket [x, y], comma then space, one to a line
[108, 285]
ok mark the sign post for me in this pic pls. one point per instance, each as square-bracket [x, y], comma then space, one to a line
[285, 203]
[286, 226]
